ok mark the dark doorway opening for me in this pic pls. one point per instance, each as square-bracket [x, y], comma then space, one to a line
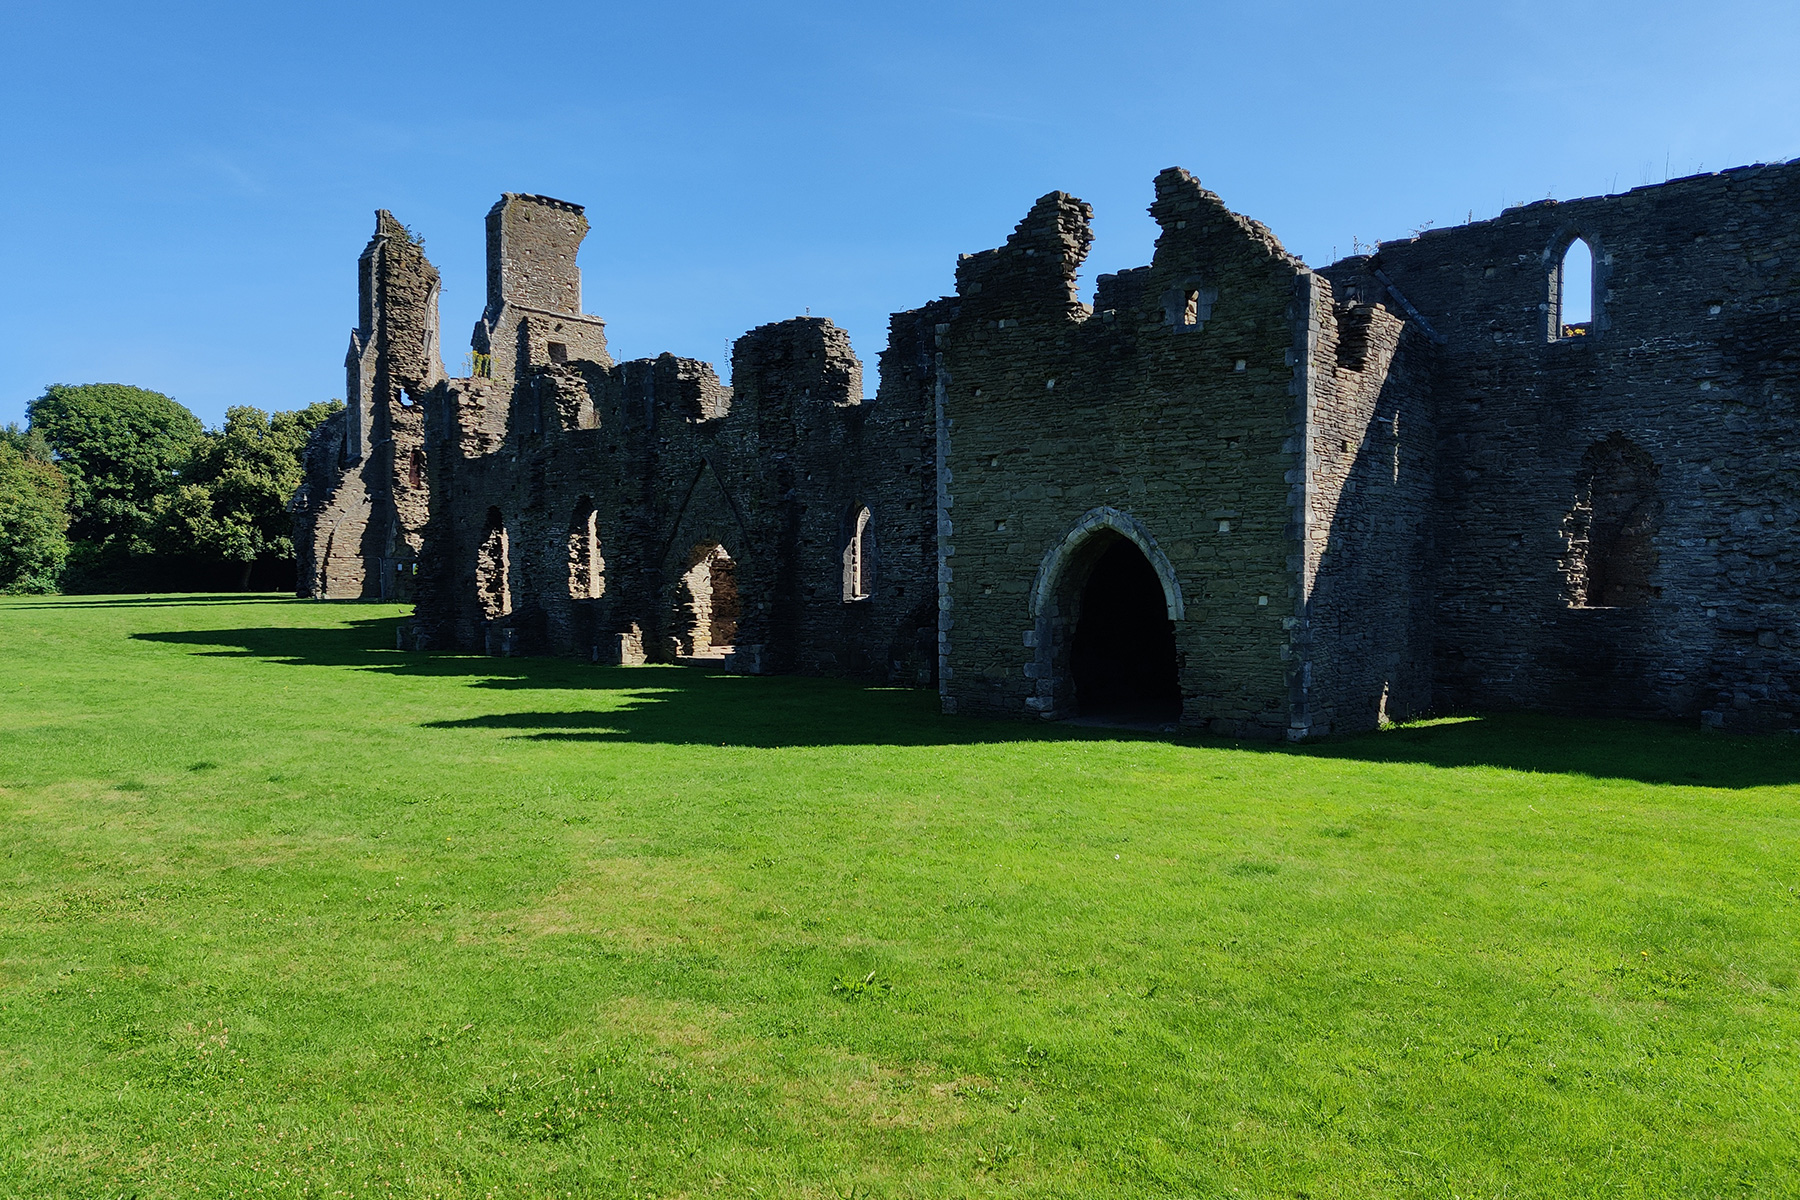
[1123, 655]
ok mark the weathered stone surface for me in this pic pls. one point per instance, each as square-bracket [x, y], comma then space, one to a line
[1398, 483]
[360, 513]
[1692, 361]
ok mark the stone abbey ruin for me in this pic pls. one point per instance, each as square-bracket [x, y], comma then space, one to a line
[1232, 492]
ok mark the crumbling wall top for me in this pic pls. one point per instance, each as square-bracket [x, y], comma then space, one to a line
[1189, 214]
[1035, 269]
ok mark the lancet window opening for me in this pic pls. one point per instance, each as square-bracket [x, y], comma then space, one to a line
[1572, 291]
[858, 569]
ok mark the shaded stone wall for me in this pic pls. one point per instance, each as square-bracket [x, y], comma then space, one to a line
[669, 467]
[1693, 357]
[1366, 623]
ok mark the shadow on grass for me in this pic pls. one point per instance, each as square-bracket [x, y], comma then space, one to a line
[162, 600]
[698, 706]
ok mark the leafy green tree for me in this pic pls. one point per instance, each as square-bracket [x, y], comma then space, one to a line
[230, 505]
[34, 515]
[120, 448]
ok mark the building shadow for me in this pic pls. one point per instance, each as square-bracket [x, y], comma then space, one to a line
[157, 600]
[700, 705]
[1658, 752]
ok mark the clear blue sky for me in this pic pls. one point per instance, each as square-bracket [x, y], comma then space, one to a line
[188, 186]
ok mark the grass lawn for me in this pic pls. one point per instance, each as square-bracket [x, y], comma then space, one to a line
[286, 913]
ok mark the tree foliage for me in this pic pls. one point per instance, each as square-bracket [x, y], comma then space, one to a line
[34, 518]
[120, 448]
[146, 496]
[230, 502]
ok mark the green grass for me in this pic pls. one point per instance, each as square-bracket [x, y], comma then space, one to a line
[285, 912]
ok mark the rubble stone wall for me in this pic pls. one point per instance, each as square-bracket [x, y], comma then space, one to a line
[1410, 481]
[1693, 355]
[1166, 413]
[1365, 626]
[362, 508]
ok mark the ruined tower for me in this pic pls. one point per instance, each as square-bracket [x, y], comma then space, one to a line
[360, 514]
[533, 313]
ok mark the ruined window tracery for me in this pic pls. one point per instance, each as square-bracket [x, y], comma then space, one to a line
[587, 570]
[491, 565]
[858, 575]
[1613, 526]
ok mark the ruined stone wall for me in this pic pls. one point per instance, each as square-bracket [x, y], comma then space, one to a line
[331, 517]
[1693, 357]
[1400, 483]
[555, 457]
[903, 429]
[674, 467]
[533, 315]
[1363, 632]
[360, 519]
[822, 455]
[1168, 414]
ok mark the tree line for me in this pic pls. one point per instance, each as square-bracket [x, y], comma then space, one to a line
[113, 488]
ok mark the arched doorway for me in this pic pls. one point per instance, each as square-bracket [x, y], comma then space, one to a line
[706, 601]
[1122, 656]
[1613, 527]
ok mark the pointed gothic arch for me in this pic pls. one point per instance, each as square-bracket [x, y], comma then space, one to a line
[1104, 607]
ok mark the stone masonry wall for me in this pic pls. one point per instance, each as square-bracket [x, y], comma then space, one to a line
[1166, 414]
[672, 466]
[533, 314]
[360, 515]
[1693, 356]
[1401, 483]
[1365, 626]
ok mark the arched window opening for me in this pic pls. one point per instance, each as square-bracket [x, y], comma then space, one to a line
[1572, 299]
[1612, 527]
[707, 604]
[1122, 657]
[587, 570]
[858, 567]
[415, 469]
[491, 566]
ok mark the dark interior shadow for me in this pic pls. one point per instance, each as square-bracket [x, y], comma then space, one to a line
[695, 705]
